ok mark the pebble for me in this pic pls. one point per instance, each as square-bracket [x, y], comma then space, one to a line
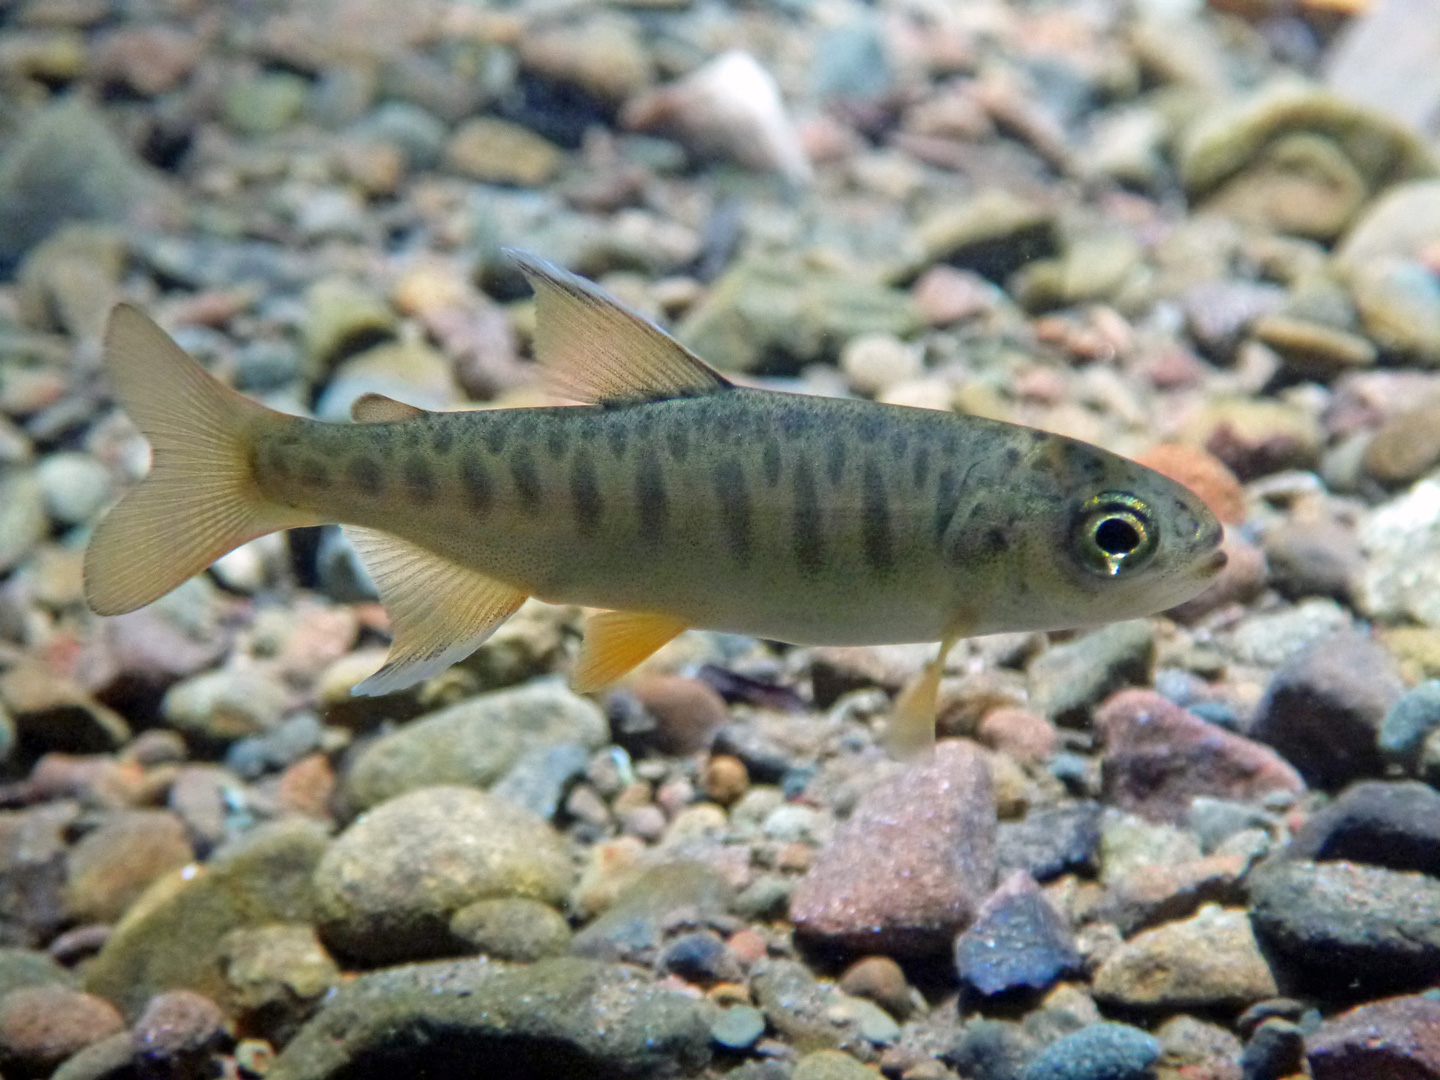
[1313, 558]
[831, 1065]
[22, 516]
[52, 712]
[173, 940]
[687, 712]
[176, 1034]
[881, 980]
[1405, 446]
[1311, 349]
[1067, 681]
[1099, 1052]
[1398, 301]
[276, 975]
[1275, 1051]
[700, 957]
[110, 867]
[1409, 723]
[1209, 961]
[1350, 928]
[512, 928]
[633, 924]
[1402, 576]
[32, 871]
[41, 1026]
[725, 778]
[1257, 436]
[1391, 824]
[388, 886]
[738, 1027]
[1159, 757]
[911, 865]
[1020, 734]
[265, 103]
[496, 151]
[1402, 221]
[875, 362]
[1051, 841]
[1018, 941]
[227, 704]
[111, 1058]
[993, 234]
[1217, 313]
[26, 967]
[475, 742]
[1384, 1040]
[595, 1018]
[74, 486]
[1146, 896]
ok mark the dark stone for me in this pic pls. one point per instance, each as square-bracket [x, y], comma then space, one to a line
[1409, 722]
[1395, 825]
[991, 1050]
[1017, 942]
[1098, 1052]
[1398, 1039]
[700, 957]
[1276, 1050]
[1049, 842]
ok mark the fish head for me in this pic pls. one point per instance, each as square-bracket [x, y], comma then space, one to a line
[1104, 538]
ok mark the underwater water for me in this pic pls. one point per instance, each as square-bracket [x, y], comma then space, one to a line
[1202, 842]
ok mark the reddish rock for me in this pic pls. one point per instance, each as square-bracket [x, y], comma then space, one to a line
[1158, 757]
[882, 981]
[147, 59]
[1395, 1039]
[911, 866]
[1019, 733]
[176, 1034]
[945, 295]
[687, 712]
[1154, 894]
[1202, 473]
[307, 786]
[41, 1026]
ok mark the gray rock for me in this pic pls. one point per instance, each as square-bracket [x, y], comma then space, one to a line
[1323, 709]
[475, 742]
[1098, 1052]
[1395, 825]
[22, 516]
[75, 486]
[738, 1027]
[1067, 681]
[992, 1050]
[993, 233]
[1313, 559]
[388, 886]
[561, 1017]
[632, 927]
[541, 775]
[1409, 723]
[1017, 941]
[108, 1059]
[264, 103]
[63, 165]
[1051, 841]
[29, 967]
[1350, 929]
[1271, 638]
[512, 928]
[231, 703]
[32, 872]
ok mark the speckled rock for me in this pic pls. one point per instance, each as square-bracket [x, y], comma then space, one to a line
[1208, 961]
[1395, 825]
[388, 886]
[474, 742]
[1409, 722]
[32, 872]
[1394, 1039]
[831, 1065]
[1323, 709]
[1348, 927]
[1098, 1052]
[1017, 941]
[1050, 841]
[277, 975]
[1159, 757]
[1067, 681]
[171, 938]
[176, 1034]
[495, 151]
[911, 865]
[40, 1026]
[1147, 895]
[110, 867]
[567, 1015]
[512, 928]
[230, 703]
[632, 926]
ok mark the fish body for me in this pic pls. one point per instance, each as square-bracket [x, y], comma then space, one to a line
[672, 499]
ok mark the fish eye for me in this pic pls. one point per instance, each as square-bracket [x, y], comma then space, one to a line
[1114, 533]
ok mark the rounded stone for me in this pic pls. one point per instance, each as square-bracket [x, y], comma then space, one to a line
[41, 1026]
[110, 867]
[1098, 1052]
[1409, 723]
[388, 887]
[882, 981]
[176, 1034]
[738, 1027]
[512, 928]
[75, 486]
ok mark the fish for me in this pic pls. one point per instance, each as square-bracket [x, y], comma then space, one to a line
[666, 496]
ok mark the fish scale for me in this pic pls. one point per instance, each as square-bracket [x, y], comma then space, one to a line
[673, 499]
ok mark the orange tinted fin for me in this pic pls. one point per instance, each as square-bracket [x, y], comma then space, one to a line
[200, 498]
[440, 612]
[615, 641]
[912, 720]
[379, 409]
[593, 348]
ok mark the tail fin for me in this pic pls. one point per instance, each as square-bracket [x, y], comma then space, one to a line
[200, 499]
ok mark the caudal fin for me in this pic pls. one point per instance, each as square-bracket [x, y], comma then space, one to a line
[200, 499]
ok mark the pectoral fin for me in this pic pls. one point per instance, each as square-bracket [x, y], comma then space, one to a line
[440, 612]
[615, 641]
[912, 721]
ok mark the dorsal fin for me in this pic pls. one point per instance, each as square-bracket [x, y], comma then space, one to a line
[593, 348]
[379, 409]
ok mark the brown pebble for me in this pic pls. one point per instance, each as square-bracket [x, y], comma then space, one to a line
[1204, 474]
[110, 867]
[748, 945]
[307, 786]
[687, 711]
[176, 1035]
[726, 778]
[882, 981]
[1020, 734]
[41, 1026]
[1406, 446]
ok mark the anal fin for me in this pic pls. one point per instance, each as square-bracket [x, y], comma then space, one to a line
[615, 642]
[912, 720]
[440, 612]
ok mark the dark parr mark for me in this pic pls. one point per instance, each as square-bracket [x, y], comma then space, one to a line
[651, 498]
[497, 431]
[526, 477]
[947, 497]
[418, 478]
[734, 498]
[366, 475]
[313, 473]
[585, 490]
[921, 471]
[442, 438]
[807, 541]
[869, 427]
[557, 441]
[276, 463]
[770, 460]
[677, 441]
[835, 459]
[618, 437]
[475, 479]
[875, 521]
